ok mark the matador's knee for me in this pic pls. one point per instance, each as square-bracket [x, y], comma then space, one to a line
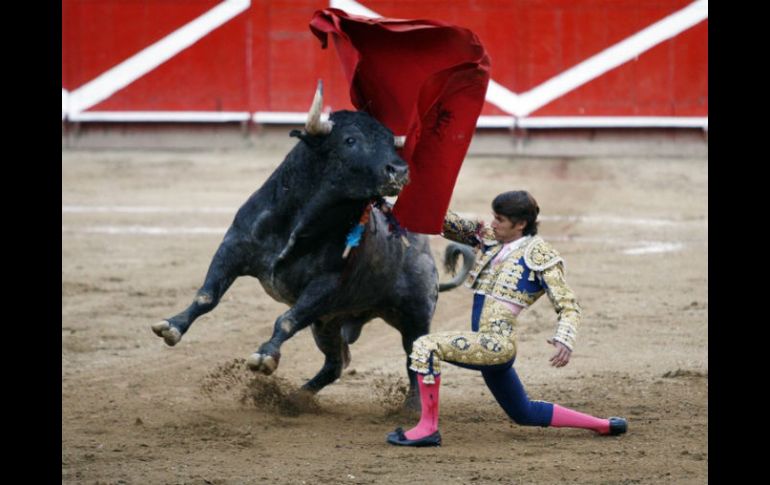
[422, 358]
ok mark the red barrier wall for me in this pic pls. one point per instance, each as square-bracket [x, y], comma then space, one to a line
[229, 60]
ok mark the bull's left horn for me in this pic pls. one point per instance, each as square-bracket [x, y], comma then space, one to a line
[399, 141]
[314, 125]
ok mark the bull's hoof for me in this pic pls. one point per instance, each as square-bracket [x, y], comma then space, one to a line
[264, 363]
[171, 335]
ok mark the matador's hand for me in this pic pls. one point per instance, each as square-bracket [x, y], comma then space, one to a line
[562, 355]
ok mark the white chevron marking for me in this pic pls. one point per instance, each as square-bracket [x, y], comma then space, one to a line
[136, 66]
[521, 105]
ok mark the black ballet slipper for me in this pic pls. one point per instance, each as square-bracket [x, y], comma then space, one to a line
[397, 437]
[617, 426]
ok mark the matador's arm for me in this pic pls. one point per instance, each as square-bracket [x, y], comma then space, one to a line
[564, 302]
[465, 231]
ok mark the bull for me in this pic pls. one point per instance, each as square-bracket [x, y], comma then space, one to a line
[291, 233]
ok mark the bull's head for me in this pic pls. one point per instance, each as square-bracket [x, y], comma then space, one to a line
[360, 152]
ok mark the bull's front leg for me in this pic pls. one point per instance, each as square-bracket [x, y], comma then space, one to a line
[312, 303]
[225, 267]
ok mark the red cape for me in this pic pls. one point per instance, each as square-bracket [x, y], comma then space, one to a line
[421, 78]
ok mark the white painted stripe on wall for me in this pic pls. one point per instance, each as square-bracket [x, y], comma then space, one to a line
[614, 122]
[521, 105]
[502, 97]
[280, 117]
[610, 58]
[136, 66]
[161, 116]
[284, 117]
[496, 122]
[299, 118]
[593, 122]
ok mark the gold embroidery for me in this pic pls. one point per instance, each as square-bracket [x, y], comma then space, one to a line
[460, 343]
[502, 281]
[565, 303]
[510, 274]
[494, 345]
[539, 255]
[480, 266]
[465, 231]
[502, 327]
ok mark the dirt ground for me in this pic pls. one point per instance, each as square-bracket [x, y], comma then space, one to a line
[138, 233]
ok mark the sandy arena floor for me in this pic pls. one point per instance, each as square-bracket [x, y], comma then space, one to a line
[138, 233]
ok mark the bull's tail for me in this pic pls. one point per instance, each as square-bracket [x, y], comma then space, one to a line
[453, 251]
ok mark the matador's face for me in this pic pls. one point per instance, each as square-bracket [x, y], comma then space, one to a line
[507, 230]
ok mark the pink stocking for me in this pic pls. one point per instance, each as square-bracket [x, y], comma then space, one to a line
[568, 418]
[429, 403]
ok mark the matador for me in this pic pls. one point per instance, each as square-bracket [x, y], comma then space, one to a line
[514, 267]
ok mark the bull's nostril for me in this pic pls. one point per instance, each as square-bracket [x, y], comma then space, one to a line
[390, 169]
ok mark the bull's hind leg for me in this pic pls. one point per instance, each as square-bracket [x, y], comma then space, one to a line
[223, 270]
[416, 307]
[413, 321]
[412, 326]
[408, 335]
[328, 338]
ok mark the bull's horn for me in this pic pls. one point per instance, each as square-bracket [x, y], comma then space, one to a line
[399, 141]
[314, 125]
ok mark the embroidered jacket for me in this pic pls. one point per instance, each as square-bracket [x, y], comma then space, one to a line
[530, 270]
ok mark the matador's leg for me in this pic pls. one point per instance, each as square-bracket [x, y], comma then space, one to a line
[463, 348]
[469, 348]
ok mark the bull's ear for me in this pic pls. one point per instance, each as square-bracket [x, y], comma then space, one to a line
[312, 141]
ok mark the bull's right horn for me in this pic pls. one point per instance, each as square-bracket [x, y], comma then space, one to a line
[314, 125]
[399, 141]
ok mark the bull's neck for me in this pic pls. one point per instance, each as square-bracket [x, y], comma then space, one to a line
[303, 188]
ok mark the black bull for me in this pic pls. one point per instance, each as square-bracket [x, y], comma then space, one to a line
[291, 233]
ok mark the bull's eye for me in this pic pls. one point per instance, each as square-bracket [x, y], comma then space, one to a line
[350, 141]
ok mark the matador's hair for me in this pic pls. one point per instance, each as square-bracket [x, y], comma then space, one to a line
[518, 205]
